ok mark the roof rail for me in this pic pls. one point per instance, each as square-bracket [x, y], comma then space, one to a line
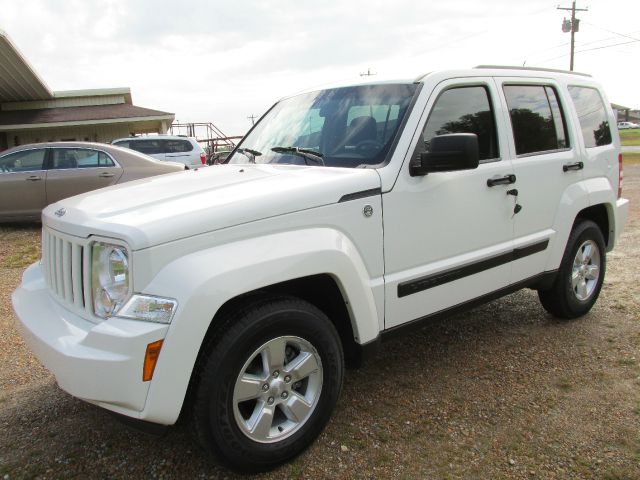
[532, 69]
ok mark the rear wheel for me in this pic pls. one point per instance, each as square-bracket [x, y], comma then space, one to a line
[581, 273]
[268, 384]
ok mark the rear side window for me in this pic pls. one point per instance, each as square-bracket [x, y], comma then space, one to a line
[124, 144]
[464, 110]
[65, 158]
[150, 147]
[177, 146]
[594, 122]
[536, 118]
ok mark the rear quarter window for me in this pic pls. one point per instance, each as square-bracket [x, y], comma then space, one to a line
[592, 115]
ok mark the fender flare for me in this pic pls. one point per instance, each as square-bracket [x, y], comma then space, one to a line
[205, 280]
[577, 197]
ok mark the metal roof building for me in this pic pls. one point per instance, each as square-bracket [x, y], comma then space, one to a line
[31, 112]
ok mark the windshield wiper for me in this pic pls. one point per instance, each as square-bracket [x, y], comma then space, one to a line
[306, 153]
[253, 153]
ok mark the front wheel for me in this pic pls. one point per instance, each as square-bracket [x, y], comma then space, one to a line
[269, 384]
[581, 273]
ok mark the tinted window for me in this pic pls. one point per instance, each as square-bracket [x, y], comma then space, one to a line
[26, 161]
[124, 143]
[64, 158]
[150, 147]
[594, 122]
[177, 146]
[464, 110]
[536, 118]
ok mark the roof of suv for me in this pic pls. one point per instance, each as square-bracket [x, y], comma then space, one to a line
[481, 70]
[155, 137]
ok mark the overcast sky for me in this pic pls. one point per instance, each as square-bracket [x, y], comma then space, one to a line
[222, 61]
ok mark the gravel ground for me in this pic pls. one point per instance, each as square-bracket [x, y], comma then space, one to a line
[503, 391]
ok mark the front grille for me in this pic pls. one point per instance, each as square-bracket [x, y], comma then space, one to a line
[66, 264]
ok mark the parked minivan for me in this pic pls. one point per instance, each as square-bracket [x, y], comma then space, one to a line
[185, 150]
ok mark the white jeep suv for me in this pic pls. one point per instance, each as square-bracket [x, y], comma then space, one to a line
[235, 294]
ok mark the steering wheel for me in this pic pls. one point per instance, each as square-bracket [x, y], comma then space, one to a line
[368, 146]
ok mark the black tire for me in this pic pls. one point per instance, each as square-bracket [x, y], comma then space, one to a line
[237, 338]
[561, 300]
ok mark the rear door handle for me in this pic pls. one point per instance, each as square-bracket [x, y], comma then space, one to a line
[506, 180]
[572, 166]
[106, 175]
[34, 178]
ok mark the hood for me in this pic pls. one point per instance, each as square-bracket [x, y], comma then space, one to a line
[160, 209]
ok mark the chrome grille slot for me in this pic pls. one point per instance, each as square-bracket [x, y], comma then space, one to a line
[66, 269]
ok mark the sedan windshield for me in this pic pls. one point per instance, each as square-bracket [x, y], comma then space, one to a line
[342, 127]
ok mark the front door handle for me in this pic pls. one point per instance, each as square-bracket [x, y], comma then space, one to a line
[34, 178]
[572, 166]
[506, 180]
[106, 175]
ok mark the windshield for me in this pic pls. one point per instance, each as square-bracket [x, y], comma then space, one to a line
[341, 127]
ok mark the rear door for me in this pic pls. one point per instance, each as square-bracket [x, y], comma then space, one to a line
[77, 170]
[22, 184]
[546, 162]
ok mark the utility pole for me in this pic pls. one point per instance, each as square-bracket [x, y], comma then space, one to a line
[572, 26]
[252, 118]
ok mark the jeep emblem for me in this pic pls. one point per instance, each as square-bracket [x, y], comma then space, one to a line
[60, 212]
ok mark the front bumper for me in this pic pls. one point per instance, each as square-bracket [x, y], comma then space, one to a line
[97, 362]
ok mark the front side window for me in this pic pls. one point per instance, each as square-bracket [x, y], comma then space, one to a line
[536, 118]
[341, 127]
[25, 161]
[592, 115]
[463, 110]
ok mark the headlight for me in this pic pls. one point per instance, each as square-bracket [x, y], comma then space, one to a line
[109, 278]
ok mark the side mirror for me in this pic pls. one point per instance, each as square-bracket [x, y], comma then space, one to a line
[447, 153]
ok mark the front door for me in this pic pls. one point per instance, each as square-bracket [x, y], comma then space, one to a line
[448, 236]
[22, 184]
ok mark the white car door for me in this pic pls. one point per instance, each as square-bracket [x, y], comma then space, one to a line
[546, 160]
[448, 236]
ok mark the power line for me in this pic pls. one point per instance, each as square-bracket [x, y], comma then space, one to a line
[615, 33]
[608, 46]
[589, 50]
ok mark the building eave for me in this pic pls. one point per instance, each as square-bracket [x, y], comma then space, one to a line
[18, 80]
[31, 126]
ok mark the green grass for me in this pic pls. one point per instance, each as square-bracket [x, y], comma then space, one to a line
[630, 137]
[25, 256]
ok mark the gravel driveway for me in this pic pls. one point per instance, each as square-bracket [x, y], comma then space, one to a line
[503, 391]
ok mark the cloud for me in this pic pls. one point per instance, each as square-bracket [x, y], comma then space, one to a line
[224, 60]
